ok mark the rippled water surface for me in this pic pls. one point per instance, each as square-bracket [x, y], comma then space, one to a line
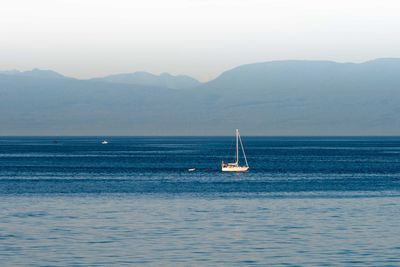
[306, 201]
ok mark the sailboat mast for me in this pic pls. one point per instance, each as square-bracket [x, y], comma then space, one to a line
[244, 154]
[237, 146]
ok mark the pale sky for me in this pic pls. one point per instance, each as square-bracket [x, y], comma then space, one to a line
[201, 38]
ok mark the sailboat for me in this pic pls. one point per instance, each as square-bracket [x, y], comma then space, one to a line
[235, 167]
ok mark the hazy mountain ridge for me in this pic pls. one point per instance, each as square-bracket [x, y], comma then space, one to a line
[34, 73]
[144, 78]
[164, 80]
[271, 98]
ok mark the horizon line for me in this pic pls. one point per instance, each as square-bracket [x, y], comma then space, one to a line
[273, 136]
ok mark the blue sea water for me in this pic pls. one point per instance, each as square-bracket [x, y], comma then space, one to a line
[328, 201]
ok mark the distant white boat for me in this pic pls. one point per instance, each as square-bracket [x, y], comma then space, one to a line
[192, 169]
[235, 167]
[104, 142]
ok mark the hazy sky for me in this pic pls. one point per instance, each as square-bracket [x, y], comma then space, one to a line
[201, 38]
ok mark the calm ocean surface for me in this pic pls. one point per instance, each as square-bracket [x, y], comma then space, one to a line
[70, 201]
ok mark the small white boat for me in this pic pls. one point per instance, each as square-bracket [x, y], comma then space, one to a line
[104, 142]
[235, 167]
[192, 169]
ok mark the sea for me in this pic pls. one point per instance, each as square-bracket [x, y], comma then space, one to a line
[306, 201]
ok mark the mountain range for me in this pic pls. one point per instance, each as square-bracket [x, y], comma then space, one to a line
[293, 97]
[164, 80]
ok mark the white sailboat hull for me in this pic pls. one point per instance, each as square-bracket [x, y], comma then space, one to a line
[230, 168]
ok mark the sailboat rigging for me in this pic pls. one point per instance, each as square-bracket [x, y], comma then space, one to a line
[235, 167]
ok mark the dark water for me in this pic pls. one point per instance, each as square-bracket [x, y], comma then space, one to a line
[306, 201]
